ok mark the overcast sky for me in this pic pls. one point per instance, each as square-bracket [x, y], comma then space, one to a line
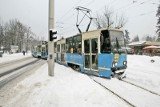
[141, 14]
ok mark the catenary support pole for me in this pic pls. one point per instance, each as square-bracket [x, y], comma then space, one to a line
[51, 43]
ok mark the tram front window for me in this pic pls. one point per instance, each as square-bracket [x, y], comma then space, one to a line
[117, 42]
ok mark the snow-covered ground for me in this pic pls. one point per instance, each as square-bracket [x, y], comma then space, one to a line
[9, 57]
[69, 88]
[143, 72]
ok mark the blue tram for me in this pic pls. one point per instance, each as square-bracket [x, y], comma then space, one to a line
[100, 52]
[40, 51]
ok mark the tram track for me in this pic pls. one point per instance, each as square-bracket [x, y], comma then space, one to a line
[141, 87]
[114, 93]
[126, 101]
[13, 61]
[128, 92]
[11, 74]
[13, 66]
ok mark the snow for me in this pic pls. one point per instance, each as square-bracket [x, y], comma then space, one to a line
[66, 88]
[9, 57]
[74, 89]
[143, 72]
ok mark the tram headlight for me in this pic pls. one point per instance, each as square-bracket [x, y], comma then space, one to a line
[114, 64]
[124, 62]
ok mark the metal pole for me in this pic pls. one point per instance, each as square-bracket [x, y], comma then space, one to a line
[50, 43]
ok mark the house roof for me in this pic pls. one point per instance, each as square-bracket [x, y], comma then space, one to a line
[152, 43]
[140, 43]
[144, 43]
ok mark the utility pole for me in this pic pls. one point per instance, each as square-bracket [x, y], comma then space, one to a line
[51, 33]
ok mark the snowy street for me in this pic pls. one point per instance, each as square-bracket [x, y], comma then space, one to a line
[73, 89]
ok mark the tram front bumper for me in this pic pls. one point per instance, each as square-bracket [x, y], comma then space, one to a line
[119, 71]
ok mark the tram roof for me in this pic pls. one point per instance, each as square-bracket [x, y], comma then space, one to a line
[98, 30]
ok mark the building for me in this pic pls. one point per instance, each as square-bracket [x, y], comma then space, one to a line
[138, 46]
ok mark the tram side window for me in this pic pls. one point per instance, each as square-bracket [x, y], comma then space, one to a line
[73, 44]
[58, 48]
[86, 46]
[69, 45]
[79, 48]
[39, 49]
[55, 49]
[77, 44]
[94, 45]
[63, 48]
[43, 49]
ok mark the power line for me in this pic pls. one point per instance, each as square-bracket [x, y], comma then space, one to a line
[133, 2]
[144, 2]
[113, 1]
[146, 13]
[70, 10]
[143, 14]
[89, 3]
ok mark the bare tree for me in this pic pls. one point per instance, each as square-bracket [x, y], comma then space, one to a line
[158, 23]
[16, 33]
[121, 21]
[1, 34]
[98, 21]
[109, 20]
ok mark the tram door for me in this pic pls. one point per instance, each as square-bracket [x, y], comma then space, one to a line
[91, 54]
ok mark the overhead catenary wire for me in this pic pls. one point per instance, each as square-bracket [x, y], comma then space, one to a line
[89, 3]
[130, 5]
[70, 9]
[143, 14]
